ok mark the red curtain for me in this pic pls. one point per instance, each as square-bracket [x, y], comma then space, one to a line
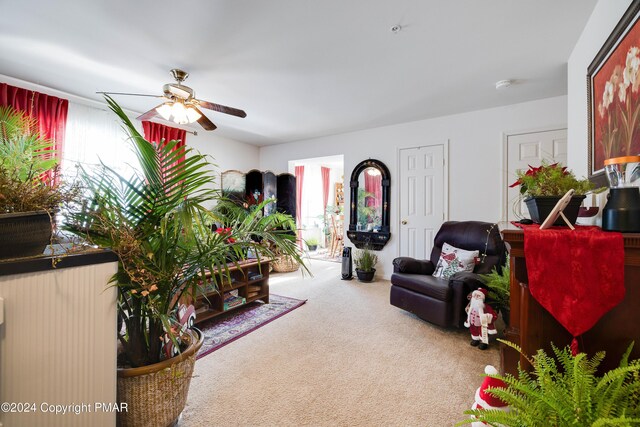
[325, 187]
[49, 111]
[373, 185]
[299, 179]
[161, 134]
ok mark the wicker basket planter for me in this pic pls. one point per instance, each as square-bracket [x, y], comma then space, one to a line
[284, 264]
[24, 234]
[156, 394]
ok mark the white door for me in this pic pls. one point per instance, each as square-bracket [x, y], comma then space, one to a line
[422, 196]
[530, 149]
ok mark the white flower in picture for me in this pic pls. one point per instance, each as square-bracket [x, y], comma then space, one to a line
[607, 95]
[632, 66]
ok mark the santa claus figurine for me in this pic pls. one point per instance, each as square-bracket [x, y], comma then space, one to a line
[480, 319]
[484, 400]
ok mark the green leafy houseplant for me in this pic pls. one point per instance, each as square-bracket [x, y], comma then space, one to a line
[566, 391]
[365, 260]
[25, 158]
[550, 180]
[156, 224]
[498, 285]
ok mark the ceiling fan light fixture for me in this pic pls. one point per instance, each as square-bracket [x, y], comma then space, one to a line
[165, 111]
[179, 113]
[192, 114]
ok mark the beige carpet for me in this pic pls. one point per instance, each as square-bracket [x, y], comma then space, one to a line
[345, 358]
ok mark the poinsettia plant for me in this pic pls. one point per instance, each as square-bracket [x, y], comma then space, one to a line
[550, 180]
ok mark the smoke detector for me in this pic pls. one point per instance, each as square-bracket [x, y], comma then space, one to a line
[503, 84]
[396, 28]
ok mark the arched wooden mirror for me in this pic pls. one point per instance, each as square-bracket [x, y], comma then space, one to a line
[369, 217]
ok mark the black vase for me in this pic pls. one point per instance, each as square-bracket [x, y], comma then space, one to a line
[24, 234]
[540, 207]
[365, 276]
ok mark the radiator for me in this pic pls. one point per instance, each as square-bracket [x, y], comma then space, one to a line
[58, 347]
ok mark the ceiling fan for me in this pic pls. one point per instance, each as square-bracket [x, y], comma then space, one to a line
[181, 105]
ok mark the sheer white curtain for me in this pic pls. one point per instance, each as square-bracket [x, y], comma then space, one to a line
[94, 135]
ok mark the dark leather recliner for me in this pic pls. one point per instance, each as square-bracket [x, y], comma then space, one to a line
[441, 301]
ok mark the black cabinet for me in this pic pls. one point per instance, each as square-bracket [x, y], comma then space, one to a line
[256, 186]
[286, 194]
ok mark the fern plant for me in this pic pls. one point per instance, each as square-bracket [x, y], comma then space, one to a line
[565, 391]
[499, 286]
[26, 157]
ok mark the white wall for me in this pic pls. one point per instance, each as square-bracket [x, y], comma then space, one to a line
[475, 156]
[604, 18]
[227, 153]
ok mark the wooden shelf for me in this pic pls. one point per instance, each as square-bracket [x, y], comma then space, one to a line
[205, 315]
[239, 273]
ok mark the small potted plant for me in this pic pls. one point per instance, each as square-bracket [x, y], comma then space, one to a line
[29, 196]
[312, 243]
[543, 186]
[365, 261]
[498, 284]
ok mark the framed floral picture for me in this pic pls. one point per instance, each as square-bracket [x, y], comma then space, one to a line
[613, 81]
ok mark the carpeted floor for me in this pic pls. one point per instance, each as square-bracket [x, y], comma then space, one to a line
[324, 254]
[345, 358]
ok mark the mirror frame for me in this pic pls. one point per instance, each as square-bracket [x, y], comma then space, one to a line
[378, 239]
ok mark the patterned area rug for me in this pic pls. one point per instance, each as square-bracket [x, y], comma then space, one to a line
[223, 330]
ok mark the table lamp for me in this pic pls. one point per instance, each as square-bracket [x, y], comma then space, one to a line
[622, 211]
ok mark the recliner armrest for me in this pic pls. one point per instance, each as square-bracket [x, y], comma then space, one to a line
[462, 284]
[413, 266]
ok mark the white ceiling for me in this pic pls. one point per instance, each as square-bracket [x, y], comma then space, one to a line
[299, 68]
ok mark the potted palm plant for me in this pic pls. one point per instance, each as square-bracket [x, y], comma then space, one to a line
[157, 225]
[543, 186]
[365, 261]
[28, 194]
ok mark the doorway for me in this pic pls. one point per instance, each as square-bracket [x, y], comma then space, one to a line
[321, 217]
[423, 197]
[529, 149]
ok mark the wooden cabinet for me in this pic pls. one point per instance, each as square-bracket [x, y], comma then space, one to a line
[249, 280]
[532, 327]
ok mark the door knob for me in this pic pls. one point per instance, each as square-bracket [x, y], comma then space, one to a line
[404, 222]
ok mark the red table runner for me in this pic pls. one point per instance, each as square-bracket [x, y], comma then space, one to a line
[577, 276]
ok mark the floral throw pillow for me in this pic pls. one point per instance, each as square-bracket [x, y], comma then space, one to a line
[453, 259]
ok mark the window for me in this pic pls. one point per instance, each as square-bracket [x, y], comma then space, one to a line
[93, 136]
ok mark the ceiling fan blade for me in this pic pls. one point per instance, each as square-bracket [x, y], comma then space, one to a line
[221, 108]
[149, 114]
[130, 94]
[204, 121]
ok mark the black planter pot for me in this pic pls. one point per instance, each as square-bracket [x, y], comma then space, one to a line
[24, 234]
[312, 247]
[365, 276]
[540, 207]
